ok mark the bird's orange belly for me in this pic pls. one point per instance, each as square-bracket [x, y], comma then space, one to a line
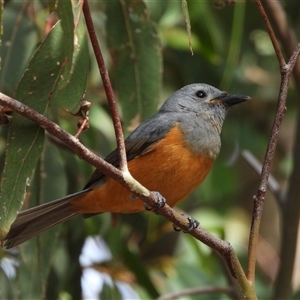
[169, 168]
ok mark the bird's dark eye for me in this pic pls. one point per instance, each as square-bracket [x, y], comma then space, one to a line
[201, 94]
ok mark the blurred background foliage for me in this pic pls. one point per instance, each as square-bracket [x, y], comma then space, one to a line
[140, 256]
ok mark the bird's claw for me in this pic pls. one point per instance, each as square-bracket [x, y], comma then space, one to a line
[161, 201]
[193, 224]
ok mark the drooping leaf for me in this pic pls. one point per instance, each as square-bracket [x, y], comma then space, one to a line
[72, 83]
[135, 51]
[38, 88]
[65, 14]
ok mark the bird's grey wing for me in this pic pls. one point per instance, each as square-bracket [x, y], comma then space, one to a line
[140, 141]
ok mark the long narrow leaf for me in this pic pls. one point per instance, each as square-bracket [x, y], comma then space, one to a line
[135, 50]
[38, 89]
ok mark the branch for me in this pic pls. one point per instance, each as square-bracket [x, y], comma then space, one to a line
[286, 71]
[291, 211]
[260, 195]
[124, 178]
[107, 86]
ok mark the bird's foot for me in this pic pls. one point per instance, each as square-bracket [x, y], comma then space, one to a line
[161, 201]
[193, 223]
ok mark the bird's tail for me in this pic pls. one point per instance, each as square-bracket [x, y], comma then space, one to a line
[33, 221]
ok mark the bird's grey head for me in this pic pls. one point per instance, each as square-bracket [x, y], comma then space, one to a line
[203, 100]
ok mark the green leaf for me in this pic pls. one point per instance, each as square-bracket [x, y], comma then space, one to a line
[18, 43]
[65, 14]
[72, 83]
[136, 58]
[175, 37]
[25, 144]
[235, 46]
[110, 292]
[38, 88]
[206, 25]
[134, 263]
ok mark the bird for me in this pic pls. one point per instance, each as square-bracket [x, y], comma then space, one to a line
[171, 152]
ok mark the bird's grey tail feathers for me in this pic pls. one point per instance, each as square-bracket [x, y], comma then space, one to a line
[33, 221]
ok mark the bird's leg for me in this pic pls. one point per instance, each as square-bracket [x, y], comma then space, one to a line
[161, 201]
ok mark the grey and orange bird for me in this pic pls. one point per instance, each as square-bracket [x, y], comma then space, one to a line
[171, 152]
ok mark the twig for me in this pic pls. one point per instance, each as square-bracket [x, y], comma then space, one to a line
[82, 127]
[196, 291]
[282, 286]
[107, 86]
[259, 198]
[286, 70]
[222, 247]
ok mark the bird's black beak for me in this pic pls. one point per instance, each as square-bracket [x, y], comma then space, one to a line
[231, 100]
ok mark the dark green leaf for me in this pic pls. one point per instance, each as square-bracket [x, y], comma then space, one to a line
[65, 14]
[134, 263]
[136, 57]
[18, 43]
[110, 292]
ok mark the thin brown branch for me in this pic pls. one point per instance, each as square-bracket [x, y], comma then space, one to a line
[286, 70]
[291, 211]
[107, 86]
[291, 207]
[222, 247]
[196, 291]
[259, 199]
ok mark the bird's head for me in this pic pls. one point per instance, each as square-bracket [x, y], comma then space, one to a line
[202, 98]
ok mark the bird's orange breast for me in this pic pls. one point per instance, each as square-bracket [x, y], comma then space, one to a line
[169, 167]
